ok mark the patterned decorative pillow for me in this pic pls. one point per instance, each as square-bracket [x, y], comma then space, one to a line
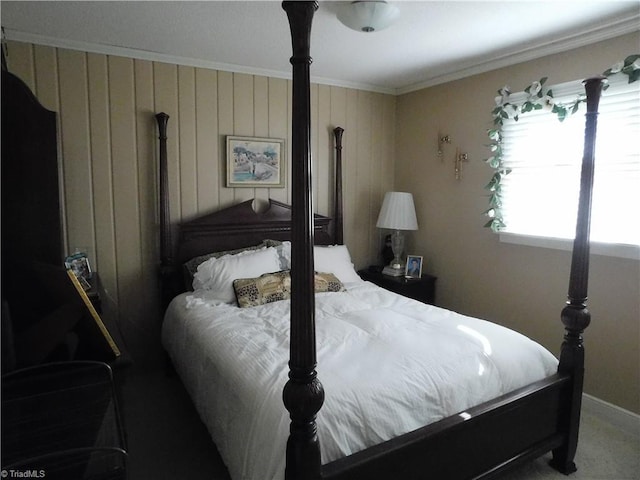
[327, 282]
[267, 288]
[273, 287]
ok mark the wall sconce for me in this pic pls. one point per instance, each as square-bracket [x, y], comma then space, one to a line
[460, 157]
[442, 139]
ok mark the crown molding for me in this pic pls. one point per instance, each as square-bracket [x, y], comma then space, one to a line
[600, 33]
[596, 34]
[113, 50]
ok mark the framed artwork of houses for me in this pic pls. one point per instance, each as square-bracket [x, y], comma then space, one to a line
[255, 162]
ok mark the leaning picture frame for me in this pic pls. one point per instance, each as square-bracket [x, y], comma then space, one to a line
[413, 269]
[105, 340]
[255, 162]
[65, 294]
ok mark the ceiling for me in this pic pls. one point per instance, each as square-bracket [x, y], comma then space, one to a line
[431, 42]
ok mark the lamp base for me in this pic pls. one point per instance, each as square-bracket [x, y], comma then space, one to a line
[393, 272]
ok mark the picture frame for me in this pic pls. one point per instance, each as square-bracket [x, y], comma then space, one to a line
[103, 341]
[79, 264]
[413, 268]
[66, 294]
[255, 162]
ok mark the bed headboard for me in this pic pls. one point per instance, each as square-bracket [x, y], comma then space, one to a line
[237, 226]
[241, 226]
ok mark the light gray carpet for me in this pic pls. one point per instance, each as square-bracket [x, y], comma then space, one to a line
[604, 453]
[168, 441]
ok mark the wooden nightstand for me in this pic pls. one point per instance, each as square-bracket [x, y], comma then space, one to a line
[421, 289]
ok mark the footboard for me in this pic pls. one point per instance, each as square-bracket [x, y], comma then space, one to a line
[478, 443]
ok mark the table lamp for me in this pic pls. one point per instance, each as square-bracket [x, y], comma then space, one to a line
[398, 213]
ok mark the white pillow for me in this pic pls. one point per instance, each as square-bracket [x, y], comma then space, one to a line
[284, 252]
[335, 259]
[217, 274]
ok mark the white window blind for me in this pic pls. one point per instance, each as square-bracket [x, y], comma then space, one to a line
[540, 195]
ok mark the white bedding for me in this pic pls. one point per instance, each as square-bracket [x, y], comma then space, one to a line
[388, 364]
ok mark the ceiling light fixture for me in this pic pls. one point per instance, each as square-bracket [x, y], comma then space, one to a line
[368, 16]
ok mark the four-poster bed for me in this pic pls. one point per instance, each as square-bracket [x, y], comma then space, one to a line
[480, 440]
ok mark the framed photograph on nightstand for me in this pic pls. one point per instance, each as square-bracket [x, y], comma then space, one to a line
[414, 267]
[78, 263]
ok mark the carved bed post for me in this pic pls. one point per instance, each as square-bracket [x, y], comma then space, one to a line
[166, 248]
[338, 232]
[303, 394]
[575, 315]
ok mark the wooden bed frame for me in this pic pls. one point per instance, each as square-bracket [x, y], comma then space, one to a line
[482, 442]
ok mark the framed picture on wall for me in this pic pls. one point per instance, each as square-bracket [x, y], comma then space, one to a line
[414, 267]
[255, 162]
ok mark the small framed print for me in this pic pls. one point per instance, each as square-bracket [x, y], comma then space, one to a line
[414, 267]
[78, 263]
[64, 289]
[102, 343]
[255, 162]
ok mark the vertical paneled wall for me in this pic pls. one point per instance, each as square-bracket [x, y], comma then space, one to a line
[108, 151]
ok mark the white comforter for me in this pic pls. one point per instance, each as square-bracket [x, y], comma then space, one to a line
[388, 365]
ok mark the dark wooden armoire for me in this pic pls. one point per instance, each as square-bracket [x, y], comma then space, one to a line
[31, 215]
[43, 316]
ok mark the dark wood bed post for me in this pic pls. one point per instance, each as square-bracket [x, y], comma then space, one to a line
[166, 247]
[575, 315]
[303, 394]
[337, 216]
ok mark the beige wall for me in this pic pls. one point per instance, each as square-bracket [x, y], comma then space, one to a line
[521, 287]
[108, 144]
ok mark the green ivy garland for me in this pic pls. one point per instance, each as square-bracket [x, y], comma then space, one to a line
[538, 97]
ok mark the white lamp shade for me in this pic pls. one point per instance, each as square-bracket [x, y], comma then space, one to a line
[398, 212]
[368, 16]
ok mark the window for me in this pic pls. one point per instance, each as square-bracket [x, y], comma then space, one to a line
[540, 195]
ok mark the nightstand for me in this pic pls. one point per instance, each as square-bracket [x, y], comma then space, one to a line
[421, 289]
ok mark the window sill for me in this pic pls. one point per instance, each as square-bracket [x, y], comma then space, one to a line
[596, 248]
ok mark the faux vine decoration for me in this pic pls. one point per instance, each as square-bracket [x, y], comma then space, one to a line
[538, 97]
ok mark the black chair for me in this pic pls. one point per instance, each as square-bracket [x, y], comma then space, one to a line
[62, 420]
